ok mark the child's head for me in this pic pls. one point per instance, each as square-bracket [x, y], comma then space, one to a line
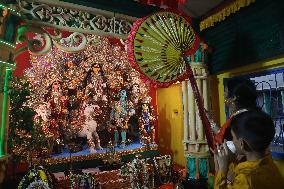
[252, 131]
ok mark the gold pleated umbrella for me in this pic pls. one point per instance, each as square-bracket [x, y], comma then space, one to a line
[157, 44]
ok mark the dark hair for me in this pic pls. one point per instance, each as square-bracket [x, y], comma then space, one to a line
[255, 127]
[245, 92]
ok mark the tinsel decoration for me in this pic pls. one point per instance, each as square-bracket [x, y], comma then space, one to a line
[80, 158]
[20, 120]
[221, 14]
[29, 134]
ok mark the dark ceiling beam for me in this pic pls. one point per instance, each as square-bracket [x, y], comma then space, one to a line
[188, 10]
[127, 7]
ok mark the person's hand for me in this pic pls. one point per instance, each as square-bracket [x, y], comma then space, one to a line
[221, 158]
[215, 159]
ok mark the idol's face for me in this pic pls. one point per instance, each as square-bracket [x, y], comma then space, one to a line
[135, 88]
[123, 93]
[145, 107]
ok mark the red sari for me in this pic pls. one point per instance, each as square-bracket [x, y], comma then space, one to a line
[224, 131]
[220, 135]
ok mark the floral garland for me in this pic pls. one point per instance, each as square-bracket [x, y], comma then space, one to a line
[85, 177]
[37, 177]
[138, 172]
[38, 184]
[163, 166]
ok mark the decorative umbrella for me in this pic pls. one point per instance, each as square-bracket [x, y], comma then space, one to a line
[157, 44]
[157, 48]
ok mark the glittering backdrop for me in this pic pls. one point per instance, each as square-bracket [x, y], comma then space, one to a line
[61, 83]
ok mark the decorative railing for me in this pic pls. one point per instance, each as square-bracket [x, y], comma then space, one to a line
[67, 16]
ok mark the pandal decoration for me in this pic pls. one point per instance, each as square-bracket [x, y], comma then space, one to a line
[163, 166]
[37, 177]
[139, 172]
[221, 15]
[88, 179]
[111, 155]
[158, 47]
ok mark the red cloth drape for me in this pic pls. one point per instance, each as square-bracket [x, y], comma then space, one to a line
[160, 3]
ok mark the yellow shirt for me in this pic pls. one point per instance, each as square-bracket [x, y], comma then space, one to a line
[261, 174]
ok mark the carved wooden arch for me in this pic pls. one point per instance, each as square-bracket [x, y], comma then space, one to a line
[63, 16]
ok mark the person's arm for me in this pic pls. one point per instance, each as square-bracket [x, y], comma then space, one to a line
[241, 181]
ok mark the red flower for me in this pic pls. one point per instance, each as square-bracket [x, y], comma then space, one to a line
[167, 186]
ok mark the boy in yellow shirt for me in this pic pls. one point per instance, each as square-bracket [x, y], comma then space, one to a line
[252, 133]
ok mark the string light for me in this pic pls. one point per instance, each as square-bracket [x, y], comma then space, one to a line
[9, 64]
[8, 44]
[10, 9]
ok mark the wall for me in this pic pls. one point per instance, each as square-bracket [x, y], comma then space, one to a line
[170, 115]
[252, 34]
[171, 123]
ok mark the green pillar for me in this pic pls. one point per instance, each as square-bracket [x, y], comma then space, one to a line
[8, 73]
[9, 19]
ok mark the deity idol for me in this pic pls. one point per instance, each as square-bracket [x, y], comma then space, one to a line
[58, 107]
[146, 124]
[122, 111]
[89, 127]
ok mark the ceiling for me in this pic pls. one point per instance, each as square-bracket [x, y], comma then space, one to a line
[197, 8]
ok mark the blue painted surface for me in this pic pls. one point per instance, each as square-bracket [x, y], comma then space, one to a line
[191, 167]
[86, 150]
[203, 171]
[277, 155]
